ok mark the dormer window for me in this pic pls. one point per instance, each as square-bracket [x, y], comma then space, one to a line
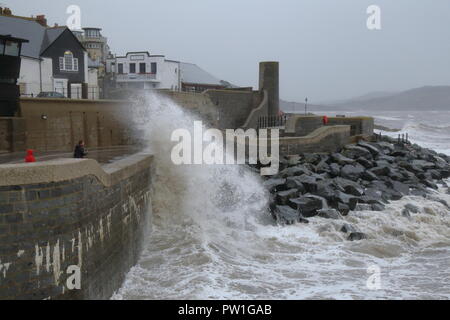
[68, 62]
[92, 33]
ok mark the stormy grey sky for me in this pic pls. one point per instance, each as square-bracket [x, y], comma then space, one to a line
[324, 48]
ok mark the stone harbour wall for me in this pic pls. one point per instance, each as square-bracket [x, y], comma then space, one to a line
[58, 124]
[70, 222]
[359, 126]
[323, 139]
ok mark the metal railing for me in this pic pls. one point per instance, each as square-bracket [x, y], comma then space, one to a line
[272, 121]
[93, 93]
[135, 76]
[401, 139]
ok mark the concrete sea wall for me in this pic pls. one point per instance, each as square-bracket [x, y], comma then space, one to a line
[71, 221]
[323, 139]
[299, 125]
[58, 124]
[12, 134]
[224, 109]
[359, 126]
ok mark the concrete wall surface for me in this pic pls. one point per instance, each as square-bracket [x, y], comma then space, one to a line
[234, 107]
[324, 139]
[58, 124]
[299, 125]
[12, 134]
[70, 229]
[5, 134]
[222, 109]
[257, 113]
[360, 126]
[198, 104]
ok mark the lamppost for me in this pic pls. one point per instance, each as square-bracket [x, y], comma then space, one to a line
[10, 50]
[306, 106]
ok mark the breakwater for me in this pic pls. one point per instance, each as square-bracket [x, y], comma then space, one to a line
[363, 176]
[213, 237]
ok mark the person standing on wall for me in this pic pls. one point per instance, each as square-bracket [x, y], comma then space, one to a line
[30, 157]
[80, 151]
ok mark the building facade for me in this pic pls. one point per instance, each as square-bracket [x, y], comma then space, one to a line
[140, 70]
[97, 47]
[10, 49]
[52, 60]
[94, 42]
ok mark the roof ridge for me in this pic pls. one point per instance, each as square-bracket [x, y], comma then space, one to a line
[21, 17]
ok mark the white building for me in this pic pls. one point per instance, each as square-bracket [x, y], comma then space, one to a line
[52, 60]
[140, 70]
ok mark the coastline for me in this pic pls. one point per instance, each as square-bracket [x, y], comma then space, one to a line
[363, 176]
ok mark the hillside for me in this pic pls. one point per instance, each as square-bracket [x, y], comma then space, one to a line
[425, 98]
[297, 107]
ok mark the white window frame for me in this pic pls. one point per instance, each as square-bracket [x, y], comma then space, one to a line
[68, 62]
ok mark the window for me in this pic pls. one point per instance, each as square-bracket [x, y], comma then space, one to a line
[23, 88]
[142, 68]
[68, 62]
[93, 33]
[154, 69]
[132, 67]
[12, 48]
[176, 70]
[120, 68]
[93, 46]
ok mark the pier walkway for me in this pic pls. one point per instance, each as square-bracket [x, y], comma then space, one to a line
[102, 155]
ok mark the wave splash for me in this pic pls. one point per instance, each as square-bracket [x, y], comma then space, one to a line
[213, 238]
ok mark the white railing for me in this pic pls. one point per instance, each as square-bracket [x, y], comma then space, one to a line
[136, 77]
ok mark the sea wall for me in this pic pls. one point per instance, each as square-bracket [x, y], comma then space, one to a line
[327, 139]
[71, 221]
[224, 109]
[323, 139]
[234, 107]
[196, 103]
[360, 126]
[58, 124]
[257, 113]
[12, 134]
[298, 126]
[5, 134]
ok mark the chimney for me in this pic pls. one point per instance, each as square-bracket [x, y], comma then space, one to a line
[41, 20]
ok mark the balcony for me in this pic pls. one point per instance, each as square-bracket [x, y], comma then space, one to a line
[126, 77]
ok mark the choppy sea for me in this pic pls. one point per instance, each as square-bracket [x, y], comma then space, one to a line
[212, 237]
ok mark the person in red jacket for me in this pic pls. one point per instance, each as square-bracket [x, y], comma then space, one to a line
[30, 157]
[325, 120]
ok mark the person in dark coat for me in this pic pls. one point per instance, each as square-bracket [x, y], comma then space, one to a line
[80, 152]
